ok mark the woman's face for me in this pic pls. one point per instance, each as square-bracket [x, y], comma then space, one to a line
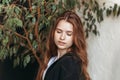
[63, 36]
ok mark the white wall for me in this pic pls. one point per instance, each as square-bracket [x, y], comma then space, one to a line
[104, 50]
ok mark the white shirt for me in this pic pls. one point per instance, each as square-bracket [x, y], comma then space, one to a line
[51, 61]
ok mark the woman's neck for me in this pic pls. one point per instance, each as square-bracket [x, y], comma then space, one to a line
[61, 53]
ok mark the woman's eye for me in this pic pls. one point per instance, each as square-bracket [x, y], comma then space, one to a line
[69, 34]
[58, 31]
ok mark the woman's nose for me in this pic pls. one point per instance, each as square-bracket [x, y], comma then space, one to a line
[62, 37]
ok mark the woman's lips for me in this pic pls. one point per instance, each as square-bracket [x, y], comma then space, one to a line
[61, 43]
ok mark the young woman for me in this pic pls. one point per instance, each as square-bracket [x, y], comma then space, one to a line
[66, 56]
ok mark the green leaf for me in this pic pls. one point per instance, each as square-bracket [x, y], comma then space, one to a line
[69, 4]
[86, 4]
[5, 40]
[95, 31]
[96, 3]
[6, 1]
[13, 22]
[87, 33]
[10, 11]
[89, 16]
[34, 44]
[31, 36]
[26, 60]
[86, 8]
[115, 9]
[10, 52]
[17, 10]
[15, 49]
[1, 35]
[3, 53]
[53, 7]
[17, 22]
[1, 7]
[60, 4]
[28, 16]
[16, 62]
[33, 20]
[108, 12]
[22, 1]
[118, 13]
[93, 21]
[101, 15]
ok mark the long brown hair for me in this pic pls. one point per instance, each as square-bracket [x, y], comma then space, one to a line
[79, 43]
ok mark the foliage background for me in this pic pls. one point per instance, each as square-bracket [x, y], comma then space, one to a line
[24, 26]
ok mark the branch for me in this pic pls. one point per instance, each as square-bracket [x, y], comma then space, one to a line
[30, 6]
[36, 29]
[30, 45]
[19, 35]
[36, 24]
[33, 51]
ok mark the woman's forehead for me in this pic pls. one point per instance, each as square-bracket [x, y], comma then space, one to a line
[64, 25]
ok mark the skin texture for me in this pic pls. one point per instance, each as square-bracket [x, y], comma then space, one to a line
[63, 37]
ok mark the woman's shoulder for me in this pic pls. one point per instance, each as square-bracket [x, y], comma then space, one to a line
[70, 59]
[70, 63]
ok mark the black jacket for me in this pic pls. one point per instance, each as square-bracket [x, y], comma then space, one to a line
[68, 67]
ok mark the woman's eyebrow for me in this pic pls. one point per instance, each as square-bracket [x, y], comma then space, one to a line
[58, 28]
[69, 31]
[63, 30]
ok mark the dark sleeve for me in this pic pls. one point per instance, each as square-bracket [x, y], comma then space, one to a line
[70, 69]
